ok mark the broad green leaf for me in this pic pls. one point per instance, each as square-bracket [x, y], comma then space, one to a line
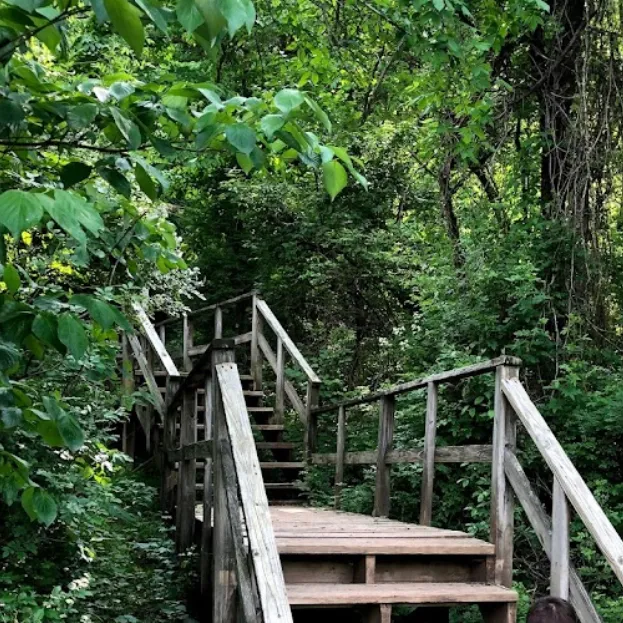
[117, 180]
[72, 212]
[146, 184]
[27, 502]
[215, 23]
[81, 116]
[70, 431]
[271, 124]
[75, 172]
[241, 137]
[19, 211]
[121, 90]
[126, 20]
[237, 13]
[9, 356]
[48, 430]
[439, 4]
[128, 129]
[335, 178]
[288, 100]
[321, 115]
[103, 313]
[11, 278]
[72, 334]
[154, 13]
[11, 417]
[188, 15]
[45, 327]
[44, 507]
[10, 112]
[245, 162]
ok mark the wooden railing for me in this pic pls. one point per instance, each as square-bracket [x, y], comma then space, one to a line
[511, 404]
[261, 321]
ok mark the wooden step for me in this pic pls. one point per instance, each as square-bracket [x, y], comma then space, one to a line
[409, 593]
[260, 410]
[268, 427]
[274, 445]
[283, 465]
[253, 394]
[283, 486]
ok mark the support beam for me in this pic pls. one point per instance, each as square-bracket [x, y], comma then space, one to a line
[382, 490]
[428, 472]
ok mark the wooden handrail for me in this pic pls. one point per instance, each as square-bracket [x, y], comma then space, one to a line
[568, 477]
[155, 341]
[440, 377]
[206, 308]
[264, 555]
[288, 344]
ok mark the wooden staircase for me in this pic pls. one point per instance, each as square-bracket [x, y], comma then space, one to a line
[225, 455]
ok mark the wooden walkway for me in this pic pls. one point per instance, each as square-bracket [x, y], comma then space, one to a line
[335, 559]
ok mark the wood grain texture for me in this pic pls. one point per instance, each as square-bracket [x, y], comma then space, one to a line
[262, 543]
[218, 322]
[339, 456]
[429, 593]
[559, 581]
[146, 370]
[154, 340]
[289, 389]
[440, 377]
[280, 383]
[578, 493]
[542, 525]
[187, 342]
[502, 502]
[186, 477]
[428, 472]
[311, 419]
[444, 454]
[256, 354]
[382, 490]
[280, 332]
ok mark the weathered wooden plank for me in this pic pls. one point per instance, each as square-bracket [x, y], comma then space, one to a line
[280, 383]
[443, 454]
[224, 555]
[289, 345]
[578, 493]
[205, 562]
[428, 472]
[542, 525]
[167, 501]
[382, 490]
[262, 544]
[289, 389]
[408, 593]
[502, 502]
[155, 341]
[440, 377]
[197, 450]
[339, 455]
[199, 349]
[256, 354]
[187, 342]
[218, 322]
[311, 420]
[251, 608]
[186, 478]
[147, 373]
[559, 583]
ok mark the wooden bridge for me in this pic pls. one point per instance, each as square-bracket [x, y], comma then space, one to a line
[232, 475]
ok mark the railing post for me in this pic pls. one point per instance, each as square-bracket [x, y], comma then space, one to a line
[187, 342]
[162, 334]
[311, 435]
[559, 582]
[279, 390]
[383, 470]
[218, 323]
[224, 555]
[168, 441]
[256, 353]
[208, 494]
[186, 475]
[339, 458]
[127, 372]
[428, 472]
[502, 502]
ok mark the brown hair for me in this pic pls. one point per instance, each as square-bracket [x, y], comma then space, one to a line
[551, 610]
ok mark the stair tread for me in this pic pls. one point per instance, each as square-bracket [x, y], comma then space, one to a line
[282, 465]
[278, 486]
[275, 445]
[275, 427]
[260, 409]
[399, 593]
